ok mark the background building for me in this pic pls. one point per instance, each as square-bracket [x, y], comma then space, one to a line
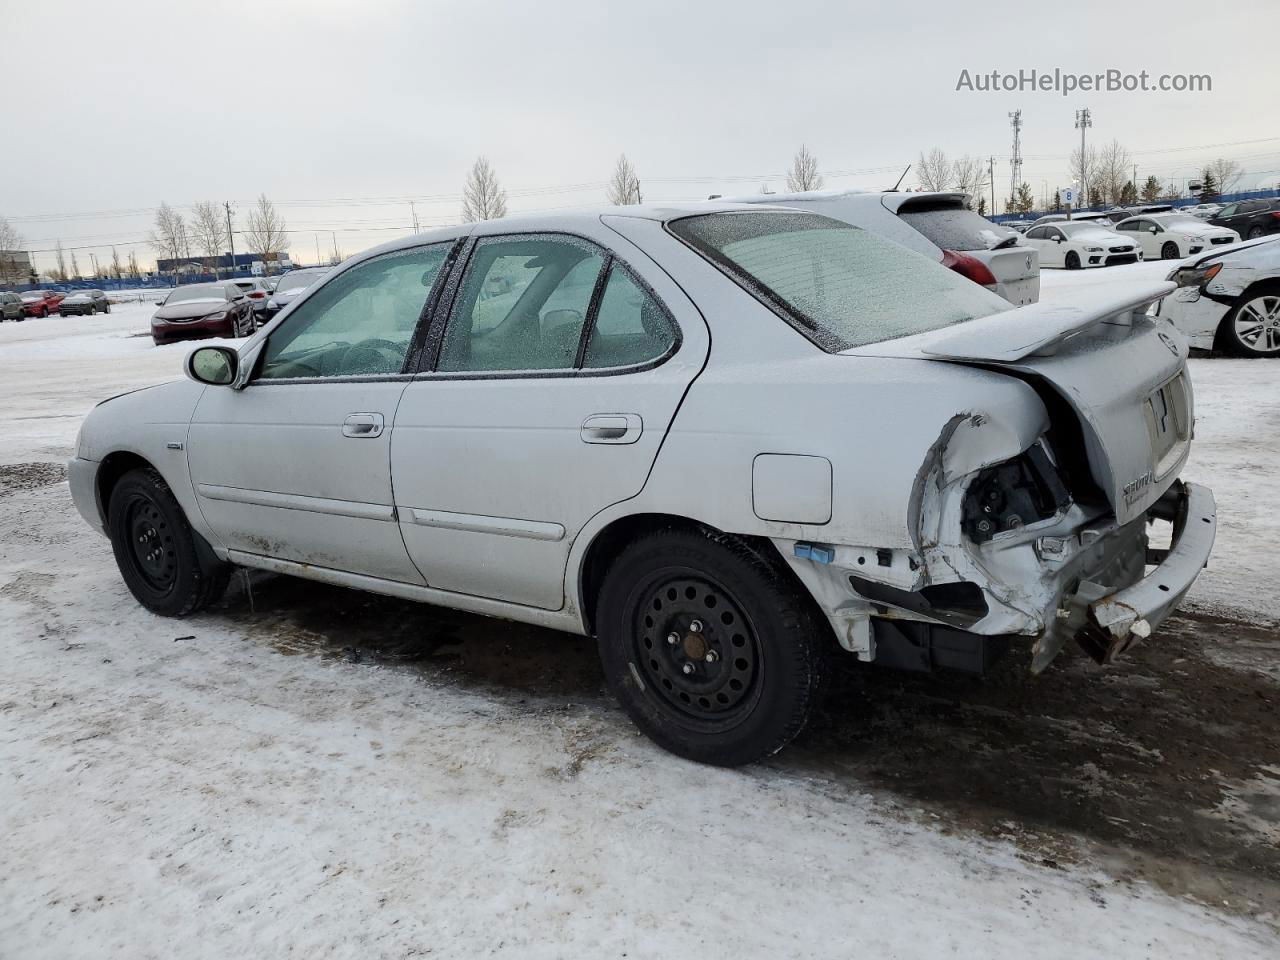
[15, 267]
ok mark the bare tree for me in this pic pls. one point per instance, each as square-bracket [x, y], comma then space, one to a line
[1227, 173]
[624, 188]
[75, 267]
[60, 273]
[266, 234]
[209, 229]
[116, 270]
[483, 197]
[10, 241]
[967, 175]
[133, 265]
[169, 234]
[1083, 170]
[1114, 168]
[933, 171]
[804, 174]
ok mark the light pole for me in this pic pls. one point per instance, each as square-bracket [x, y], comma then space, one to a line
[1084, 120]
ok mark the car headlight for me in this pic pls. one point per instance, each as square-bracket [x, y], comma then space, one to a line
[222, 315]
[1092, 249]
[1194, 276]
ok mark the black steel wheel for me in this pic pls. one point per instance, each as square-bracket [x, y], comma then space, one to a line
[165, 564]
[710, 645]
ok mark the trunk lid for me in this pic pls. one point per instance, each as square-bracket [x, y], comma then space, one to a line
[1121, 373]
[1017, 272]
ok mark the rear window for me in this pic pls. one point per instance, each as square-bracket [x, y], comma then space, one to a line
[839, 285]
[955, 228]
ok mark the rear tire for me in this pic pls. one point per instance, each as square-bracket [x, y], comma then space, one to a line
[744, 673]
[1072, 261]
[1169, 251]
[1255, 233]
[1252, 328]
[165, 564]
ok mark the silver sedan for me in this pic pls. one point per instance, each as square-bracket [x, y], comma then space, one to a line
[731, 442]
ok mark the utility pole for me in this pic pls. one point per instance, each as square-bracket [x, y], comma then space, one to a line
[991, 176]
[413, 212]
[230, 239]
[319, 262]
[337, 257]
[1015, 161]
[1083, 121]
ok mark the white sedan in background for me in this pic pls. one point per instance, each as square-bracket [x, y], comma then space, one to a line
[1174, 236]
[1073, 245]
[1229, 299]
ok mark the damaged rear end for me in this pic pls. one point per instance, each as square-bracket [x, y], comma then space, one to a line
[1055, 543]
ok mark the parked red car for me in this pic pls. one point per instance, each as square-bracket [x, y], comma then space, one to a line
[41, 303]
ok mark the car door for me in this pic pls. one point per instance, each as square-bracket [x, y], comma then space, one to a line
[1144, 234]
[556, 371]
[296, 464]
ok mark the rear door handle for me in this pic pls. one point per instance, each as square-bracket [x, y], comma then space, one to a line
[612, 428]
[363, 425]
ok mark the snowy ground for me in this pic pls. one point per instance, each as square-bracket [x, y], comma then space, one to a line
[314, 772]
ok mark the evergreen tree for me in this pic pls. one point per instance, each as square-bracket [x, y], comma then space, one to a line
[1151, 190]
[1025, 201]
[1057, 201]
[982, 205]
[1208, 187]
[1128, 194]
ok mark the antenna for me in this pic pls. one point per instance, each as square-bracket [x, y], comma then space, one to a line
[894, 188]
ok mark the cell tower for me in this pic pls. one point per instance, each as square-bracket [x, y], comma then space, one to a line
[1015, 160]
[1084, 120]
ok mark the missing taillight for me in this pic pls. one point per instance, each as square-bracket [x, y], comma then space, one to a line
[1012, 494]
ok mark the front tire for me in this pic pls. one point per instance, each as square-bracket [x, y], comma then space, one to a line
[1072, 261]
[1169, 251]
[164, 563]
[710, 647]
[1255, 233]
[1252, 328]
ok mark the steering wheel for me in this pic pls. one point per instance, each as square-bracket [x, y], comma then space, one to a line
[372, 356]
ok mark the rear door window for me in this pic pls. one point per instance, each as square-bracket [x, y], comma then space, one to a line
[955, 228]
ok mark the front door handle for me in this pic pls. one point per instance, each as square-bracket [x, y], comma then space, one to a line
[363, 425]
[612, 428]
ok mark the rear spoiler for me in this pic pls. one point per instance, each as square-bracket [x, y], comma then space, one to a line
[1010, 335]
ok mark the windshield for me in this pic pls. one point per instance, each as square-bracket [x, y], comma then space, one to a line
[298, 280]
[841, 286]
[955, 228]
[35, 295]
[1183, 223]
[197, 291]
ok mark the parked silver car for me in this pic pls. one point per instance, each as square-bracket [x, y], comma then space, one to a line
[726, 440]
[1229, 299]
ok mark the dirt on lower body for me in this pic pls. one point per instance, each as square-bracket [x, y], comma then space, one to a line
[1164, 767]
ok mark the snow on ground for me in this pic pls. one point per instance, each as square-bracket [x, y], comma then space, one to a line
[188, 787]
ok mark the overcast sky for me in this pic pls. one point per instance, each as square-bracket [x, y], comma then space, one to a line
[112, 107]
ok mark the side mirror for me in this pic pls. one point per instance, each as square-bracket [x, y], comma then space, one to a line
[1057, 238]
[159, 303]
[215, 366]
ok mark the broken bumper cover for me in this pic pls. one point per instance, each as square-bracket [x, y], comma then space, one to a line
[1119, 620]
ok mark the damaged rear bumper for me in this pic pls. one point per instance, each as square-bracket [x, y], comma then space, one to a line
[1118, 620]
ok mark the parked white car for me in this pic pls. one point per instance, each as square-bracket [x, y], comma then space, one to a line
[1074, 244]
[1230, 299]
[1174, 236]
[1202, 211]
[729, 441]
[938, 225]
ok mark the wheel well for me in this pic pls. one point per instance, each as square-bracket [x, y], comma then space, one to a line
[615, 538]
[113, 467]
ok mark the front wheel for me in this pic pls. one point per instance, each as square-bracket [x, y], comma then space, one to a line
[1073, 260]
[1169, 251]
[1255, 233]
[714, 652]
[93, 311]
[1252, 329]
[164, 563]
